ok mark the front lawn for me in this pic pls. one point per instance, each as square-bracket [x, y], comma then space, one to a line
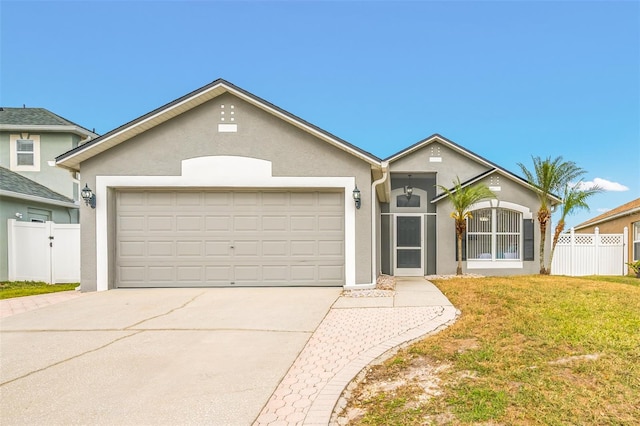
[526, 350]
[9, 289]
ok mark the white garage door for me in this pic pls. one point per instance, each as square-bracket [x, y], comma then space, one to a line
[229, 238]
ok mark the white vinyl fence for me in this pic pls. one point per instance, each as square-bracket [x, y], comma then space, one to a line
[591, 254]
[48, 252]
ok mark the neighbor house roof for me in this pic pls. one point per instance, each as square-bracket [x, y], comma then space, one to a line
[73, 158]
[624, 210]
[17, 186]
[493, 168]
[40, 119]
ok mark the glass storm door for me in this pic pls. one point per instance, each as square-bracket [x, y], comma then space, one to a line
[408, 245]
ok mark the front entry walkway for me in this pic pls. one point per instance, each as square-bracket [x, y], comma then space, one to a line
[354, 333]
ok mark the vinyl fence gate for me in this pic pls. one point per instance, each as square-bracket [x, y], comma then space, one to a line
[591, 254]
[48, 252]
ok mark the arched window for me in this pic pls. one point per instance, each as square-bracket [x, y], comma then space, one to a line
[494, 234]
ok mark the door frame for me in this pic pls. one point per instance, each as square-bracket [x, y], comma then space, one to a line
[407, 272]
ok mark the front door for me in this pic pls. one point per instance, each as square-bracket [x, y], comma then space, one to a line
[408, 258]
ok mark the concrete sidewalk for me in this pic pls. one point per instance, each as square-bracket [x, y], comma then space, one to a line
[17, 305]
[356, 331]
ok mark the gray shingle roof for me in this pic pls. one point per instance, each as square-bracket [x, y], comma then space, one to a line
[32, 116]
[13, 182]
[10, 117]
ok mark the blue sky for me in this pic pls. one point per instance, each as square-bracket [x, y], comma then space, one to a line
[505, 79]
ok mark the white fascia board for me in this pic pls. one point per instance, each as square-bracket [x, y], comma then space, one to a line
[37, 199]
[46, 128]
[608, 218]
[505, 174]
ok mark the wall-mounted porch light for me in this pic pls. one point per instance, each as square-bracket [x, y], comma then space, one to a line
[356, 197]
[88, 196]
[408, 190]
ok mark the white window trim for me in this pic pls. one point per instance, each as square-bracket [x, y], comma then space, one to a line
[500, 263]
[215, 172]
[13, 153]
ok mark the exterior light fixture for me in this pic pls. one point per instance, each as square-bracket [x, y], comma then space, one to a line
[88, 196]
[356, 197]
[408, 190]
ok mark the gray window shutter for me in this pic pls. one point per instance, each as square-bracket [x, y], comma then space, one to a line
[464, 245]
[529, 249]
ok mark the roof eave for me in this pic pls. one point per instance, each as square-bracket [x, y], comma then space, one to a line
[72, 159]
[608, 218]
[35, 198]
[47, 128]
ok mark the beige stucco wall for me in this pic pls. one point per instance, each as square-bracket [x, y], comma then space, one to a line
[616, 226]
[260, 135]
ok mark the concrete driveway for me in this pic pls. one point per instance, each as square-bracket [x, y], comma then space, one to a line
[155, 356]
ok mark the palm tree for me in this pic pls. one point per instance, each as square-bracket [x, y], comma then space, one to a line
[549, 177]
[463, 198]
[573, 199]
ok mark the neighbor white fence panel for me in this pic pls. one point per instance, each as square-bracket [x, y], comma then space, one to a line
[590, 254]
[48, 252]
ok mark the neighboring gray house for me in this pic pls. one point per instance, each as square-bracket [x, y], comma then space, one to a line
[30, 140]
[222, 188]
[25, 200]
[31, 187]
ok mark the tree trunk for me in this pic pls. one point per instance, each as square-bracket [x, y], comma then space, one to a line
[543, 218]
[556, 237]
[459, 268]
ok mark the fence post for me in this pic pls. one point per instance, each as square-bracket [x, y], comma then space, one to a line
[596, 249]
[625, 251]
[572, 253]
[11, 250]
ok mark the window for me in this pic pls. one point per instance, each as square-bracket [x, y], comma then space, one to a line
[636, 241]
[25, 152]
[494, 234]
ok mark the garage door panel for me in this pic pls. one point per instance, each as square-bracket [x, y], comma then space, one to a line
[218, 248]
[160, 248]
[331, 248]
[132, 248]
[275, 248]
[275, 223]
[189, 223]
[246, 224]
[132, 223]
[164, 274]
[217, 223]
[209, 238]
[160, 223]
[303, 223]
[160, 198]
[220, 273]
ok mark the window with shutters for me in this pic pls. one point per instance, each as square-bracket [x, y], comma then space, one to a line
[494, 234]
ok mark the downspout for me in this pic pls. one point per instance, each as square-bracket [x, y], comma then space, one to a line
[374, 185]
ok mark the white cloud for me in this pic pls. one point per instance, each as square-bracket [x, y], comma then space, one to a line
[603, 210]
[604, 184]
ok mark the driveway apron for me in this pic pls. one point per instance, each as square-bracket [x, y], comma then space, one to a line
[155, 356]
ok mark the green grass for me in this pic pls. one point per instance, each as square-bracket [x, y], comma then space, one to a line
[527, 350]
[9, 289]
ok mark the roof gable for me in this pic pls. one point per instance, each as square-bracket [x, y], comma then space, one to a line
[492, 167]
[623, 210]
[73, 158]
[15, 185]
[19, 119]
